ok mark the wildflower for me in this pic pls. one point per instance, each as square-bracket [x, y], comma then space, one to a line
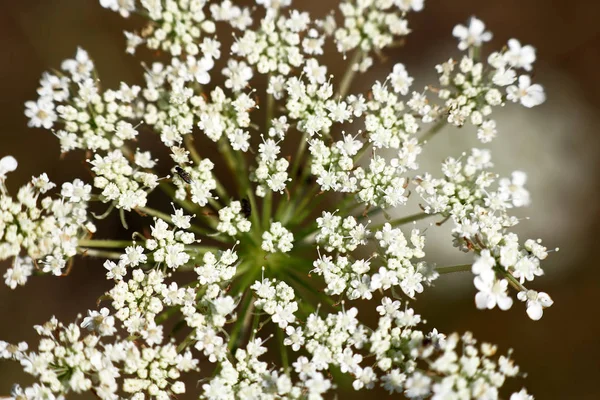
[262, 244]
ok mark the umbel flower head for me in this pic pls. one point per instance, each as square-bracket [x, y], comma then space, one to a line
[288, 249]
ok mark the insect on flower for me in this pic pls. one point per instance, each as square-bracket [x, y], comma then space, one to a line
[187, 178]
[246, 208]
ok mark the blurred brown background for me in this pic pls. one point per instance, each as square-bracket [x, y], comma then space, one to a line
[557, 144]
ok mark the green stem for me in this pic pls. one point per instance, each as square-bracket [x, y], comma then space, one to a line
[266, 210]
[299, 154]
[349, 74]
[98, 253]
[188, 141]
[432, 131]
[189, 339]
[283, 350]
[254, 212]
[454, 268]
[105, 243]
[513, 281]
[255, 321]
[237, 170]
[186, 205]
[123, 220]
[167, 218]
[404, 220]
[239, 324]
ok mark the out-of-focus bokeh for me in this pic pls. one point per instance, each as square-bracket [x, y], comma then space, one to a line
[556, 143]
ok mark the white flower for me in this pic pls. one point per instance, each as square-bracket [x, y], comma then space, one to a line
[521, 395]
[100, 321]
[536, 302]
[514, 189]
[400, 79]
[76, 191]
[484, 264]
[491, 293]
[124, 7]
[472, 36]
[7, 164]
[519, 56]
[41, 113]
[529, 95]
[22, 269]
[277, 238]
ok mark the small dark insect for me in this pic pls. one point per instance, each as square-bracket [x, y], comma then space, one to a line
[246, 208]
[184, 175]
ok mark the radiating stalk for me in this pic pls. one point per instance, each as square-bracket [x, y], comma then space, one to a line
[433, 130]
[403, 220]
[104, 243]
[453, 268]
[350, 73]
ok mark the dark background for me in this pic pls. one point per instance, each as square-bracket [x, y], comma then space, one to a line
[557, 144]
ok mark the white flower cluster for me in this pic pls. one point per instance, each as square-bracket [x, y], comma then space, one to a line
[46, 229]
[312, 103]
[360, 278]
[276, 47]
[208, 314]
[340, 234]
[389, 125]
[333, 166]
[277, 300]
[277, 239]
[372, 25]
[481, 220]
[202, 183]
[168, 245]
[232, 221]
[365, 147]
[69, 362]
[471, 91]
[175, 25]
[271, 172]
[83, 117]
[121, 183]
[137, 302]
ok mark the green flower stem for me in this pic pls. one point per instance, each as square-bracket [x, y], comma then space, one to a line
[193, 228]
[104, 243]
[296, 180]
[189, 339]
[266, 210]
[347, 203]
[99, 253]
[242, 171]
[283, 350]
[363, 150]
[246, 306]
[512, 280]
[270, 109]
[298, 156]
[295, 214]
[454, 268]
[123, 220]
[165, 315]
[254, 216]
[403, 220]
[170, 191]
[235, 164]
[188, 141]
[255, 322]
[350, 73]
[433, 130]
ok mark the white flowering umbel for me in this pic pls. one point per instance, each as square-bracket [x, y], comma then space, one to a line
[262, 249]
